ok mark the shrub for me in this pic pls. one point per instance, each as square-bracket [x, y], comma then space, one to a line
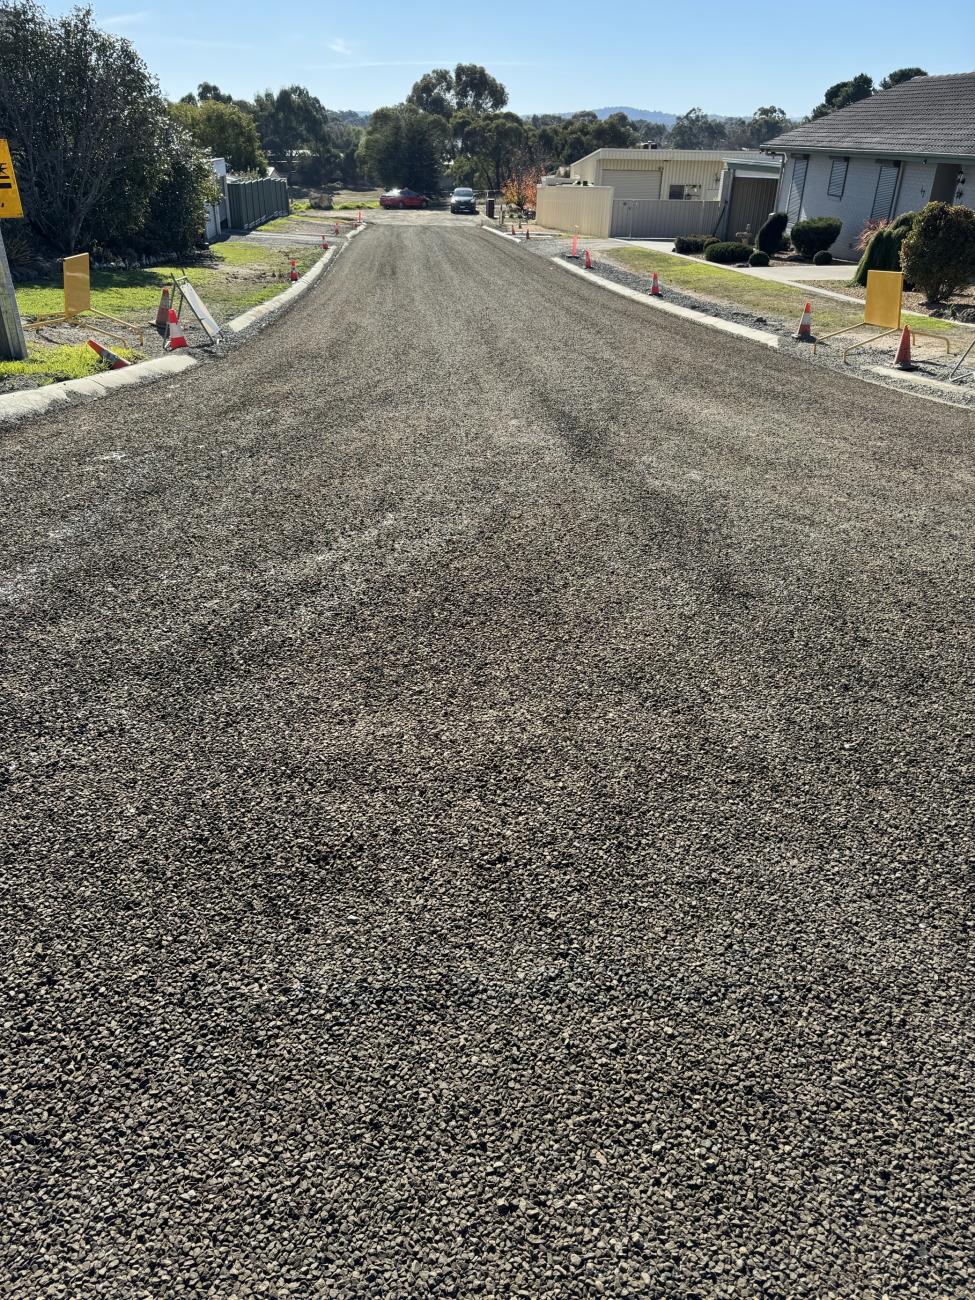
[770, 236]
[823, 257]
[727, 252]
[867, 233]
[758, 258]
[882, 253]
[693, 243]
[938, 252]
[815, 235]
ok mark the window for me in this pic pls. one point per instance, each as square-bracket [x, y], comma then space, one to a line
[796, 187]
[676, 192]
[837, 177]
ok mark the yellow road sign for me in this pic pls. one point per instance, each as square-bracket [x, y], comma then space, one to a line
[885, 292]
[10, 205]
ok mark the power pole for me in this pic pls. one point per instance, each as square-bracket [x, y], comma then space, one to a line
[13, 345]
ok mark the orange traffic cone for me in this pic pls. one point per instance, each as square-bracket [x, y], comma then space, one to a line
[655, 287]
[575, 246]
[294, 271]
[324, 244]
[115, 362]
[512, 227]
[588, 261]
[903, 359]
[162, 315]
[805, 325]
[175, 338]
[528, 233]
[337, 232]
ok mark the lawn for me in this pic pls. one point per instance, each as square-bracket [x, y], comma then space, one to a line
[231, 277]
[763, 297]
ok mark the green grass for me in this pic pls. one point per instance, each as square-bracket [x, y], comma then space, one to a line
[763, 297]
[359, 205]
[50, 365]
[234, 277]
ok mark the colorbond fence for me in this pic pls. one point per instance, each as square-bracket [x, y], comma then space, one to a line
[251, 203]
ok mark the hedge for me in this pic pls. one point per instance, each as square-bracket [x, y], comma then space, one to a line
[727, 252]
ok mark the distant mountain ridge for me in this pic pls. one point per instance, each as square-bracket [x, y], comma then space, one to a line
[635, 114]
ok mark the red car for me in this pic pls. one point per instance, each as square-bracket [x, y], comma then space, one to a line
[404, 198]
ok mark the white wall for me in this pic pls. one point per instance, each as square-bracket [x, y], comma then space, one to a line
[585, 209]
[856, 203]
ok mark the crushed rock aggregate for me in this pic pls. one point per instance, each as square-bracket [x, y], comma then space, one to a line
[487, 812]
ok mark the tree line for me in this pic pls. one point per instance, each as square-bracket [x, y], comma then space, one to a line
[106, 162]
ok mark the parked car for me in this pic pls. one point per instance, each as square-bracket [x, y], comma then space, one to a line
[462, 200]
[404, 198]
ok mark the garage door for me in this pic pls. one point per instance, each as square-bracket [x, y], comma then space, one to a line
[633, 184]
[751, 202]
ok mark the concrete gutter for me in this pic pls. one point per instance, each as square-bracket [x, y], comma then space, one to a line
[33, 402]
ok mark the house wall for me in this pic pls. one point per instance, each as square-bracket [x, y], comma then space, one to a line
[587, 210]
[854, 208]
[647, 174]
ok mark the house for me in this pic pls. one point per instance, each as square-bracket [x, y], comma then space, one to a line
[660, 193]
[894, 152]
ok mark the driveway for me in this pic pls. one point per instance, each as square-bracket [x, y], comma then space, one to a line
[487, 811]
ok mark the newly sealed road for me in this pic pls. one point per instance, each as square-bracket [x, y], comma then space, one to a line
[487, 811]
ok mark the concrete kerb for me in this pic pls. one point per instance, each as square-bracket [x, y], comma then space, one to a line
[699, 318]
[34, 402]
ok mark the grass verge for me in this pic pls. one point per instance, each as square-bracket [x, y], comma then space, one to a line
[49, 365]
[763, 297]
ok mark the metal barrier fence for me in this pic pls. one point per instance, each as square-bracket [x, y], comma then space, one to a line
[251, 203]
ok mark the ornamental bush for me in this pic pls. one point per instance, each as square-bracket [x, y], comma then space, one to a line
[883, 251]
[758, 258]
[938, 252]
[823, 258]
[727, 252]
[815, 235]
[693, 243]
[769, 238]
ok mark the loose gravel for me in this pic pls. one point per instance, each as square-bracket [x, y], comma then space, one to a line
[487, 812]
[829, 355]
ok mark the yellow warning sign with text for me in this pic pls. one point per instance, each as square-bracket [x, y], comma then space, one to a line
[885, 292]
[9, 194]
[77, 285]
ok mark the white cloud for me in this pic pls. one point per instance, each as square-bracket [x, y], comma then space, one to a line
[125, 20]
[339, 46]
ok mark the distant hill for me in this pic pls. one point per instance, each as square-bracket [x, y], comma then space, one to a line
[635, 114]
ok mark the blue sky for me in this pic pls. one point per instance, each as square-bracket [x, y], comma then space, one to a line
[551, 56]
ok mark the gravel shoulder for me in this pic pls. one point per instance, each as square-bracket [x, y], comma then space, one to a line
[487, 811]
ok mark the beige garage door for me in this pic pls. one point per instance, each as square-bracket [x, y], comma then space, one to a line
[633, 184]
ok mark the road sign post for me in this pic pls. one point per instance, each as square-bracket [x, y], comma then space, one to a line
[13, 345]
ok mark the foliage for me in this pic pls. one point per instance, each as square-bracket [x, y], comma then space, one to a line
[92, 136]
[882, 253]
[727, 252]
[823, 257]
[901, 74]
[299, 132]
[870, 228]
[808, 237]
[225, 131]
[695, 130]
[770, 234]
[469, 87]
[520, 190]
[758, 258]
[405, 146]
[844, 93]
[693, 243]
[184, 182]
[938, 252]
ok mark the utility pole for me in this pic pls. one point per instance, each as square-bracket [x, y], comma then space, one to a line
[13, 345]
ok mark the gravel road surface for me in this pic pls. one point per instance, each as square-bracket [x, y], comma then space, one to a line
[487, 811]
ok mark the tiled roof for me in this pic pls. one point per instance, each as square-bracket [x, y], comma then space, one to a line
[929, 116]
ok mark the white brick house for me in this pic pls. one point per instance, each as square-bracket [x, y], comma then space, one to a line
[891, 153]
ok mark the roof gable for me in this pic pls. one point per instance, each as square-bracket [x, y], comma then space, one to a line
[928, 116]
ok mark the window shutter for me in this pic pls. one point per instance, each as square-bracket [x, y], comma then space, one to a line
[799, 166]
[837, 177]
[883, 200]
